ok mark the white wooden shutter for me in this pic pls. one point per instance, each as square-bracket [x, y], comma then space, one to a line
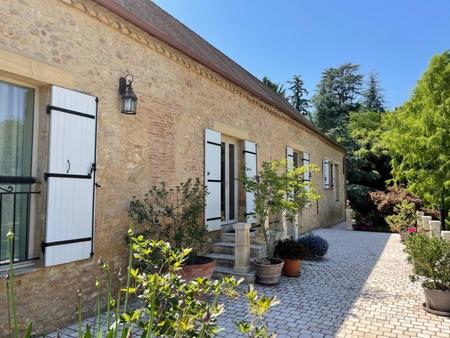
[70, 177]
[213, 179]
[326, 174]
[307, 175]
[250, 170]
[289, 158]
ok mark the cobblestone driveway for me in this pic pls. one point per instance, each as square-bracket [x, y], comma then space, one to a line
[360, 290]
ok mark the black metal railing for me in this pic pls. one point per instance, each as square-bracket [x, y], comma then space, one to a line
[15, 207]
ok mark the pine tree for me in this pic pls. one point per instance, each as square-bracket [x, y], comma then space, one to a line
[299, 92]
[373, 97]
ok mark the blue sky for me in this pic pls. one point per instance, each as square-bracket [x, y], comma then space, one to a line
[280, 38]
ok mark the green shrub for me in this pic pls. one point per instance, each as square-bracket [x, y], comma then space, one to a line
[173, 214]
[169, 307]
[289, 249]
[430, 258]
[258, 307]
[404, 217]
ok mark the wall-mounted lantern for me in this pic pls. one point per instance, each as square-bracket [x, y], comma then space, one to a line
[129, 98]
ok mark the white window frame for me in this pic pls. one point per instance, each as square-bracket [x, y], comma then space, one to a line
[226, 179]
[33, 231]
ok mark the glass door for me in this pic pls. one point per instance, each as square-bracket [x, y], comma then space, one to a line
[229, 183]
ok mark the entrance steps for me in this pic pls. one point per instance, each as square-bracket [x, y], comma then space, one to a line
[223, 254]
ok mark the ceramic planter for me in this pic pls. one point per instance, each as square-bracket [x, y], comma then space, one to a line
[291, 267]
[438, 300]
[268, 274]
[199, 267]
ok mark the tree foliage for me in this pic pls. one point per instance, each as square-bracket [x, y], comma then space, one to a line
[277, 191]
[298, 95]
[278, 88]
[373, 97]
[418, 134]
[336, 96]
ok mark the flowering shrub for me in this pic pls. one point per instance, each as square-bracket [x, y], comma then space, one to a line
[403, 218]
[314, 246]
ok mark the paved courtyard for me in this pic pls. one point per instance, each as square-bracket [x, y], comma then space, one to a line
[360, 290]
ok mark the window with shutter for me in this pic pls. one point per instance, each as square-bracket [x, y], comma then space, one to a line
[70, 177]
[250, 159]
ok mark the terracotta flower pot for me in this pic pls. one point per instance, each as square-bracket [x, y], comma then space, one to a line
[268, 274]
[437, 300]
[291, 267]
[200, 266]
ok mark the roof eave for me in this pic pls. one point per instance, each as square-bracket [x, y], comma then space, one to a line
[153, 31]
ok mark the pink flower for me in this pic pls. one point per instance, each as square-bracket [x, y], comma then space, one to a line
[411, 230]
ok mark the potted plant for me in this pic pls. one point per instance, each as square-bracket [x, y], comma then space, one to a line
[315, 247]
[175, 215]
[291, 252]
[430, 258]
[277, 192]
[403, 220]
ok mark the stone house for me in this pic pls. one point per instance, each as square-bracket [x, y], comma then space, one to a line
[70, 160]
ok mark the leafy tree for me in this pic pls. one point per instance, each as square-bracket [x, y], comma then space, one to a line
[337, 95]
[372, 97]
[418, 134]
[298, 97]
[276, 87]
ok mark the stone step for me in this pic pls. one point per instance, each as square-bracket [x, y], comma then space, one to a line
[222, 259]
[256, 250]
[222, 271]
[229, 236]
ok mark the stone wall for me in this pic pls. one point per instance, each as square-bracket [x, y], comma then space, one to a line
[82, 46]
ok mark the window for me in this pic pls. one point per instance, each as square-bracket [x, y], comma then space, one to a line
[17, 119]
[229, 183]
[297, 159]
[327, 174]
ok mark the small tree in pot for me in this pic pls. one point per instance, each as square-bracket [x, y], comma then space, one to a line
[291, 252]
[430, 258]
[277, 192]
[175, 215]
[403, 220]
